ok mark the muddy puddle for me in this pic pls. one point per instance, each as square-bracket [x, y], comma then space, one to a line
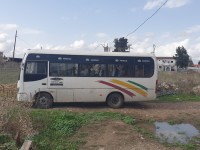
[177, 133]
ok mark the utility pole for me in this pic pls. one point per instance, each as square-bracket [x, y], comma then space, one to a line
[14, 45]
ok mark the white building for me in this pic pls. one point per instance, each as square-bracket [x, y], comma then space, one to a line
[166, 64]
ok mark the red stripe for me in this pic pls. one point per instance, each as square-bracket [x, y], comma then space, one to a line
[117, 87]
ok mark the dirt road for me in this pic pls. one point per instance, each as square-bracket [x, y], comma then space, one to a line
[116, 135]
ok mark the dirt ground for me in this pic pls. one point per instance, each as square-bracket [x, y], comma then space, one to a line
[116, 135]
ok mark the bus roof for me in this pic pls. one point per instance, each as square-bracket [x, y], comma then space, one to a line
[66, 52]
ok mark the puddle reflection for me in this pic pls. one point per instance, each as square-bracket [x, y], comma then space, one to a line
[182, 133]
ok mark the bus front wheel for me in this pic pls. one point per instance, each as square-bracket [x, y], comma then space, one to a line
[43, 101]
[115, 100]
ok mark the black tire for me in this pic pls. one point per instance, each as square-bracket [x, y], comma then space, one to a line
[115, 100]
[43, 101]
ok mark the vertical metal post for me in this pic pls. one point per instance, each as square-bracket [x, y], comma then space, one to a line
[14, 45]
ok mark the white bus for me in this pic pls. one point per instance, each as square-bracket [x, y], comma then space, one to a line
[48, 77]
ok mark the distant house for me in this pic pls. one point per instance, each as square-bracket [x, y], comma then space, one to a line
[8, 62]
[197, 66]
[17, 60]
[194, 67]
[166, 64]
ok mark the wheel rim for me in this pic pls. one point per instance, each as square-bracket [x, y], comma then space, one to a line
[43, 100]
[115, 100]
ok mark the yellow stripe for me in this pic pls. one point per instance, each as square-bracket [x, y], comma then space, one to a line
[143, 93]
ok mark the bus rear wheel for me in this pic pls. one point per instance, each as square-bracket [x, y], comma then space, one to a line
[115, 100]
[43, 101]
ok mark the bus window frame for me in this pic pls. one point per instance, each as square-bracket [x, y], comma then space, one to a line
[35, 77]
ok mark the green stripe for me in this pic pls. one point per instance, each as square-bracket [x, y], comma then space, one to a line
[141, 86]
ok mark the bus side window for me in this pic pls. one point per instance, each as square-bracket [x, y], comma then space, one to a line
[84, 70]
[63, 69]
[102, 70]
[139, 70]
[148, 70]
[53, 69]
[111, 70]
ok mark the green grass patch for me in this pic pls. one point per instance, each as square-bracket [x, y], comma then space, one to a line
[4, 138]
[7, 143]
[171, 122]
[178, 98]
[9, 75]
[56, 127]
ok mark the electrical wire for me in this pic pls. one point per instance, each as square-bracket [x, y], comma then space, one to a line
[147, 19]
[24, 41]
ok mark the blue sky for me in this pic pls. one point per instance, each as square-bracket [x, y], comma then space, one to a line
[84, 24]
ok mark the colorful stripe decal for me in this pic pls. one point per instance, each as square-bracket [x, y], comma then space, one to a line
[141, 86]
[138, 90]
[117, 87]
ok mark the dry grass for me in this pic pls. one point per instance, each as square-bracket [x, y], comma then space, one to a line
[8, 90]
[14, 115]
[184, 81]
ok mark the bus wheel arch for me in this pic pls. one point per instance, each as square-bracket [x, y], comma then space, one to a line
[43, 100]
[115, 100]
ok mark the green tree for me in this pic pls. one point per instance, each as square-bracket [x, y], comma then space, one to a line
[182, 58]
[190, 63]
[121, 45]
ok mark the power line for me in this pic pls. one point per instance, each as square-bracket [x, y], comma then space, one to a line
[147, 19]
[24, 41]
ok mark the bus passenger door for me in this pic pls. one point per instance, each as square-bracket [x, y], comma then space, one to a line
[35, 77]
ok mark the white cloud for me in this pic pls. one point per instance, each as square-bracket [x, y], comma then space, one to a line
[6, 46]
[169, 4]
[194, 51]
[170, 48]
[3, 37]
[193, 29]
[176, 3]
[153, 4]
[50, 47]
[77, 44]
[149, 34]
[101, 35]
[189, 31]
[140, 46]
[93, 45]
[8, 26]
[198, 39]
[166, 35]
